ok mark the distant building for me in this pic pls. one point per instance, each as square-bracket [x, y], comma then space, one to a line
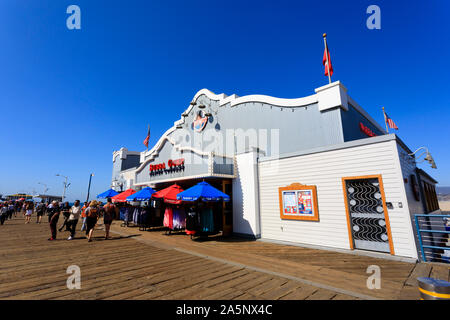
[19, 196]
[48, 198]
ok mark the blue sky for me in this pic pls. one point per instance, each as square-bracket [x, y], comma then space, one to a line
[70, 97]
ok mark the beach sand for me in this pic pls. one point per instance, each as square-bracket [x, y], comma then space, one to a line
[445, 206]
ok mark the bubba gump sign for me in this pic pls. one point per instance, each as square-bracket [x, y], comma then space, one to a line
[366, 130]
[172, 165]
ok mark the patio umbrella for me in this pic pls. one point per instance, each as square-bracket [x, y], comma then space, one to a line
[142, 195]
[107, 194]
[122, 197]
[203, 191]
[169, 194]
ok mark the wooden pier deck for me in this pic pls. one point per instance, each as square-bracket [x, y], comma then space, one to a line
[149, 265]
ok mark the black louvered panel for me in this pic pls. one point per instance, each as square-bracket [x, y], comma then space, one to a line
[365, 205]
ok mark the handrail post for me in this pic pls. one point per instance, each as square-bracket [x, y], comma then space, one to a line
[419, 235]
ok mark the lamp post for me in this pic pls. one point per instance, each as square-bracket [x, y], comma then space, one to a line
[46, 188]
[89, 187]
[66, 185]
[428, 157]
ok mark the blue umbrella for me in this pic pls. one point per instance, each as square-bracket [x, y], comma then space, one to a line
[107, 194]
[143, 195]
[203, 191]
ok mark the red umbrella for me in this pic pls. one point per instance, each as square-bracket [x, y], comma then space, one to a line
[169, 194]
[122, 197]
[21, 199]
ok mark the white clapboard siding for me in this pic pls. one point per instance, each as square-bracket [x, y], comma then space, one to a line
[325, 170]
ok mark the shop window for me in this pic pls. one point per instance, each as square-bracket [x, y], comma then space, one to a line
[431, 199]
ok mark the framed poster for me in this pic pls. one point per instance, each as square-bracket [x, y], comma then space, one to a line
[298, 202]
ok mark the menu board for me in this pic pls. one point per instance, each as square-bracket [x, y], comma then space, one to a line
[298, 202]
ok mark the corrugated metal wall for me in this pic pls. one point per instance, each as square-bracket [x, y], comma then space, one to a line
[325, 170]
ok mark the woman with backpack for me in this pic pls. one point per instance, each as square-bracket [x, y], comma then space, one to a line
[109, 213]
[92, 214]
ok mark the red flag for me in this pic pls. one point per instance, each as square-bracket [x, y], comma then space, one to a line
[147, 138]
[324, 61]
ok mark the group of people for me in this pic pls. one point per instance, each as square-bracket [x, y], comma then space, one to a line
[7, 209]
[89, 213]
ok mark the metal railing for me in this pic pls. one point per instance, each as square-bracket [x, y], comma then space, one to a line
[433, 232]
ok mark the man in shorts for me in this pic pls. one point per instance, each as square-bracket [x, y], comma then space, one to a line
[40, 210]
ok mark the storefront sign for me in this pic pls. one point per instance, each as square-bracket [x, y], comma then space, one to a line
[298, 202]
[200, 122]
[366, 130]
[172, 166]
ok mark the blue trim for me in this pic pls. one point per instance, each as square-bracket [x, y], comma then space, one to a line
[434, 231]
[420, 239]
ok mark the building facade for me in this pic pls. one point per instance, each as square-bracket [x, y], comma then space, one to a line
[316, 170]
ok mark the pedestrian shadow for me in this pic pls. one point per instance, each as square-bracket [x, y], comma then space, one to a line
[102, 238]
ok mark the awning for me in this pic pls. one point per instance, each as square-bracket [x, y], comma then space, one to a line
[142, 195]
[107, 194]
[122, 197]
[169, 195]
[203, 191]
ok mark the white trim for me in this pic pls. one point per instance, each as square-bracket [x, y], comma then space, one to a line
[179, 148]
[123, 153]
[401, 183]
[206, 175]
[288, 103]
[324, 96]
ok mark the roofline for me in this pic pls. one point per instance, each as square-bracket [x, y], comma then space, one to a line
[328, 96]
[339, 146]
[426, 175]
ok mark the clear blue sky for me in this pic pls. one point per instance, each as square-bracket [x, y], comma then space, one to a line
[70, 97]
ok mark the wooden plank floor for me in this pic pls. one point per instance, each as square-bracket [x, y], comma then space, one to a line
[334, 269]
[123, 268]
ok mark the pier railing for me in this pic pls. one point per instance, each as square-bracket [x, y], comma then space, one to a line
[433, 232]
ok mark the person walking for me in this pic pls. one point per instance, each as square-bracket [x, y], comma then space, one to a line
[83, 216]
[92, 213]
[28, 211]
[3, 213]
[17, 206]
[53, 216]
[40, 210]
[66, 213]
[10, 210]
[110, 212]
[73, 218]
[23, 208]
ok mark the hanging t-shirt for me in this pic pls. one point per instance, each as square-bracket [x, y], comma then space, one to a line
[207, 220]
[168, 218]
[179, 218]
[192, 221]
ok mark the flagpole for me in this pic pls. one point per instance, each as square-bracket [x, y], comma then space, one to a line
[385, 121]
[148, 136]
[327, 53]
